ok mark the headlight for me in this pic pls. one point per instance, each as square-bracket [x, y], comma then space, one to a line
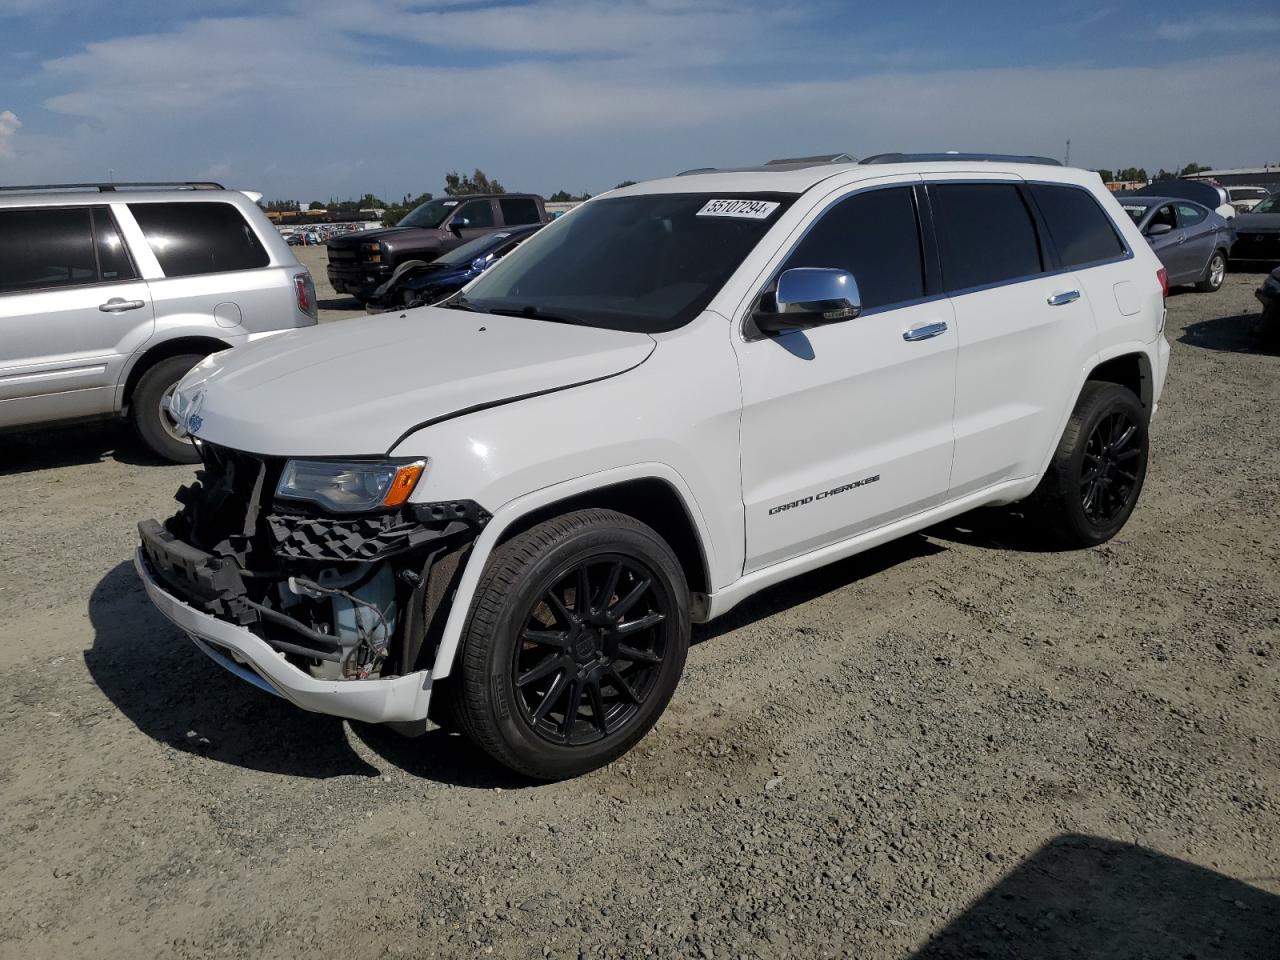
[350, 486]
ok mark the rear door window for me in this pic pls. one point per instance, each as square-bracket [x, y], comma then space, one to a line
[196, 238]
[518, 210]
[875, 236]
[985, 234]
[50, 247]
[1081, 230]
[114, 262]
[478, 213]
[1189, 214]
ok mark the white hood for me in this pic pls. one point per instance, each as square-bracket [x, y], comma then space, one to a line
[357, 386]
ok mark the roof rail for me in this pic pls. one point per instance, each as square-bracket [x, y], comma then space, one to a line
[812, 161]
[956, 155]
[111, 187]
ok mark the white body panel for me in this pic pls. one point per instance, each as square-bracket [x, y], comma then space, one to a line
[528, 413]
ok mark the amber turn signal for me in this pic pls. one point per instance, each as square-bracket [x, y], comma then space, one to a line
[402, 485]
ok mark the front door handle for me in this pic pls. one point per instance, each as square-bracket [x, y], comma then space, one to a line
[925, 331]
[1061, 299]
[120, 305]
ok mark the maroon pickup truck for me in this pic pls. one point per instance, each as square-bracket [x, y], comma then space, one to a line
[360, 262]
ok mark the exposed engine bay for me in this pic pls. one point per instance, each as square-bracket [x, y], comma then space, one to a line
[344, 598]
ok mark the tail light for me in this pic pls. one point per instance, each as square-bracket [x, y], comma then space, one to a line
[1163, 276]
[304, 288]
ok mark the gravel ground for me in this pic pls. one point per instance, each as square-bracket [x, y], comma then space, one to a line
[958, 745]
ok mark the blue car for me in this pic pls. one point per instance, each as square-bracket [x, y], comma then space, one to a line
[416, 283]
[1191, 240]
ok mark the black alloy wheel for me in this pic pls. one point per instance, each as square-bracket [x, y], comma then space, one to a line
[591, 650]
[1095, 476]
[1110, 473]
[574, 644]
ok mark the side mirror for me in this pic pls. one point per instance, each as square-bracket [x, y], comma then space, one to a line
[457, 223]
[809, 297]
[1158, 229]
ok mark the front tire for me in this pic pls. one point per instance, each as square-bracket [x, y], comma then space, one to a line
[149, 411]
[1214, 274]
[1097, 472]
[575, 643]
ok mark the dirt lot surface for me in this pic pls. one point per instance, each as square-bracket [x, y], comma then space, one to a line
[954, 746]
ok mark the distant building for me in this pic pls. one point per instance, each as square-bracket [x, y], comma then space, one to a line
[1119, 186]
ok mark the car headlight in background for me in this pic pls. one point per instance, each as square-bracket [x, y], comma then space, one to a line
[350, 486]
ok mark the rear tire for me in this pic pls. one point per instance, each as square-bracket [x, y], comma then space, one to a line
[154, 425]
[1097, 472]
[575, 643]
[1214, 274]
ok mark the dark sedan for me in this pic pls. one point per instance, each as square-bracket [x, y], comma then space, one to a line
[1191, 240]
[416, 283]
[1259, 232]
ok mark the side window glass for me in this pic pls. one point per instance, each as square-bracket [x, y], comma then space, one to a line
[985, 234]
[1164, 215]
[194, 238]
[478, 213]
[518, 210]
[51, 247]
[1190, 214]
[114, 262]
[1081, 231]
[875, 236]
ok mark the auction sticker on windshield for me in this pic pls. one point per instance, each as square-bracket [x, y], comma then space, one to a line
[742, 209]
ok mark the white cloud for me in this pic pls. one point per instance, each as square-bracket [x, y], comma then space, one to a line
[1217, 23]
[9, 124]
[341, 119]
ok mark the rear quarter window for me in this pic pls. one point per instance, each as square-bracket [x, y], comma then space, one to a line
[189, 239]
[1081, 230]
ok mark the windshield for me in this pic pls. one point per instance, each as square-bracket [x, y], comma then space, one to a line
[1247, 193]
[647, 263]
[463, 255]
[429, 215]
[1269, 205]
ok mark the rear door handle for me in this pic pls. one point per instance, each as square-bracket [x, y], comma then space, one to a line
[925, 331]
[119, 305]
[1061, 299]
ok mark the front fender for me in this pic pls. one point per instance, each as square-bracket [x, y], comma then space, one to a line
[511, 513]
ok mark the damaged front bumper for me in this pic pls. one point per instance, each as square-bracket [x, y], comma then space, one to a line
[337, 614]
[398, 699]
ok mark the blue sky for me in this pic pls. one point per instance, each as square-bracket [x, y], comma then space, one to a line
[308, 100]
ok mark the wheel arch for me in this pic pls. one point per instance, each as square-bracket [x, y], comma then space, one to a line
[1130, 370]
[654, 494]
[163, 351]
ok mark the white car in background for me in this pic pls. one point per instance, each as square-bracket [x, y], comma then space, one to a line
[508, 510]
[1244, 199]
[110, 293]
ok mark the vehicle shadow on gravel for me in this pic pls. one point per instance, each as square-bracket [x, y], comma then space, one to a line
[1082, 896]
[170, 690]
[995, 528]
[1237, 334]
[174, 694]
[802, 589]
[47, 448]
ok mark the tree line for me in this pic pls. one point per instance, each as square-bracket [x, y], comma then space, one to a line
[455, 185]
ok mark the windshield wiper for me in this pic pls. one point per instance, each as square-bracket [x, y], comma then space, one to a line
[462, 303]
[534, 313]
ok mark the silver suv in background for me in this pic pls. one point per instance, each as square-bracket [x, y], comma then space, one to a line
[110, 293]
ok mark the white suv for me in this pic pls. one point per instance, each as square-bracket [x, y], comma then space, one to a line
[511, 508]
[109, 293]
